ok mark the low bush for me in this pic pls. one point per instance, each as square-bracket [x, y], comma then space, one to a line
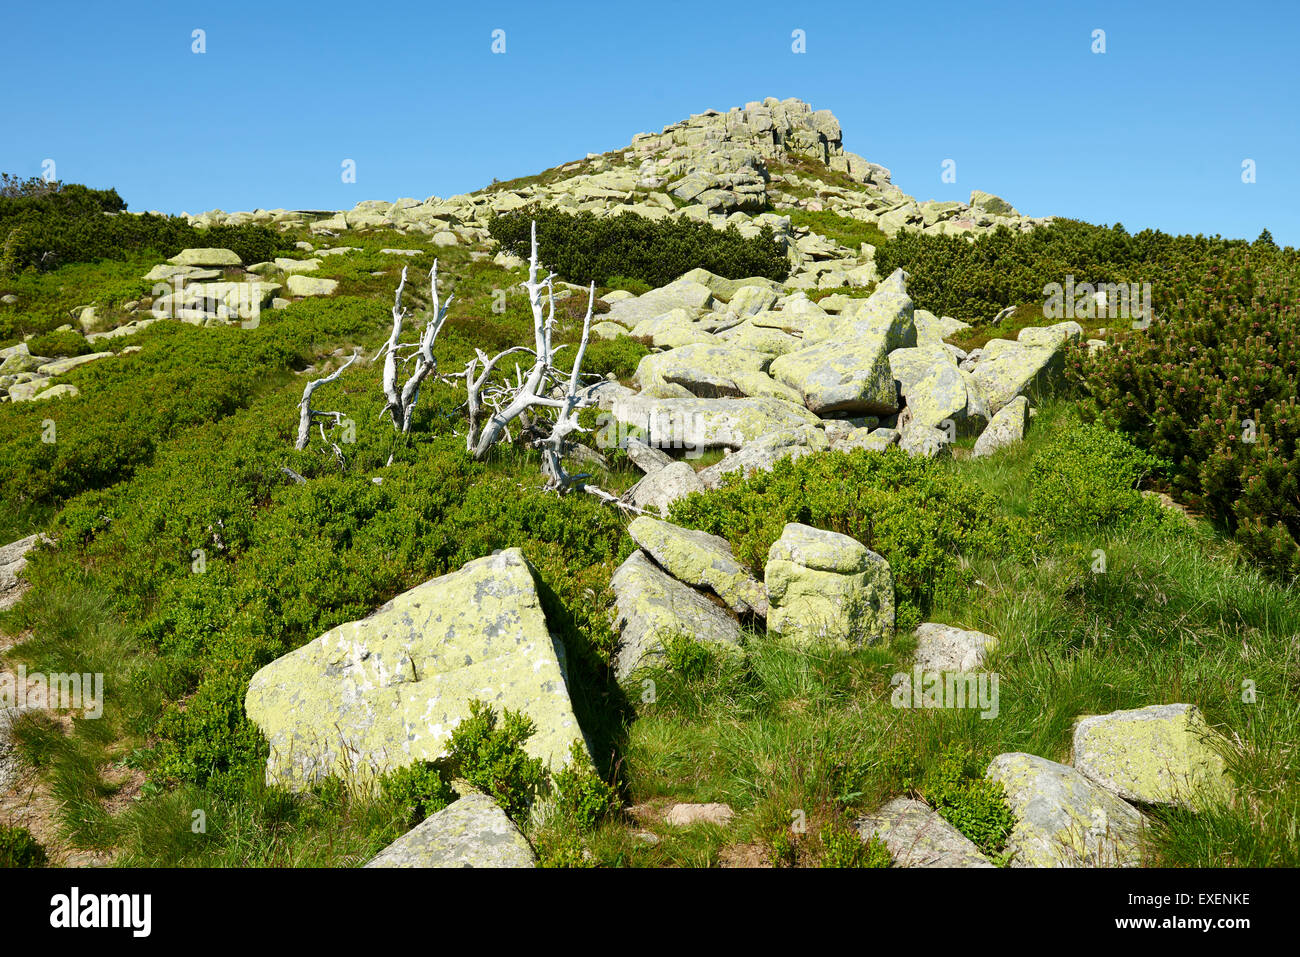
[583, 248]
[487, 751]
[916, 513]
[419, 789]
[1086, 478]
[19, 849]
[956, 788]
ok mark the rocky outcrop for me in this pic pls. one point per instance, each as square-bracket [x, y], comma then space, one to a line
[470, 832]
[373, 695]
[827, 587]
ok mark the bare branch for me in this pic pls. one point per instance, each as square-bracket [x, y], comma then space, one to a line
[306, 413]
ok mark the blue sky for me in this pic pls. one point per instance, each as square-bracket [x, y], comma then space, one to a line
[1151, 133]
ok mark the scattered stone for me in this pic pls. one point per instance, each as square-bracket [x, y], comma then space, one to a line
[918, 837]
[13, 559]
[60, 366]
[653, 608]
[9, 765]
[686, 815]
[1162, 754]
[945, 648]
[763, 453]
[700, 559]
[824, 586]
[386, 691]
[1063, 819]
[293, 266]
[470, 832]
[924, 441]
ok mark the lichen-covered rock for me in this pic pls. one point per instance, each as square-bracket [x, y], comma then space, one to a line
[935, 390]
[763, 453]
[1006, 369]
[300, 285]
[707, 371]
[1062, 818]
[918, 837]
[205, 257]
[924, 441]
[660, 488]
[841, 376]
[1162, 754]
[700, 559]
[652, 607]
[377, 694]
[874, 440]
[684, 293]
[945, 648]
[470, 832]
[700, 424]
[1051, 337]
[824, 586]
[1004, 429]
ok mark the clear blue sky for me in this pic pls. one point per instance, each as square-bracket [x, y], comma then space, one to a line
[1151, 133]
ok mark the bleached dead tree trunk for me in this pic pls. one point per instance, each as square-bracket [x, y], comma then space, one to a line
[306, 414]
[401, 402]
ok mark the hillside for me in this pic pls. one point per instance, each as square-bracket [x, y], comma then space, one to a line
[791, 522]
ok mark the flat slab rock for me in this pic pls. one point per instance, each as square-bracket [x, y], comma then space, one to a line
[660, 488]
[1163, 754]
[1063, 819]
[470, 832]
[918, 837]
[387, 691]
[653, 607]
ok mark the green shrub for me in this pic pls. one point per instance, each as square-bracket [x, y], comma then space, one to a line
[843, 847]
[619, 356]
[916, 513]
[1086, 478]
[1211, 387]
[489, 754]
[43, 228]
[956, 788]
[583, 248]
[581, 797]
[58, 344]
[418, 790]
[19, 849]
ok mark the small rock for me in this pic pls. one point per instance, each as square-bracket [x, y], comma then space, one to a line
[945, 648]
[918, 837]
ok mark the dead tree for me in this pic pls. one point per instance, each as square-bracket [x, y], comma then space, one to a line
[401, 402]
[306, 414]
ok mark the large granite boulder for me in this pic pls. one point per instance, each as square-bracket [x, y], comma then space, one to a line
[1007, 369]
[654, 608]
[824, 586]
[387, 691]
[470, 832]
[936, 390]
[205, 257]
[1162, 754]
[918, 837]
[700, 559]
[1062, 818]
[684, 293]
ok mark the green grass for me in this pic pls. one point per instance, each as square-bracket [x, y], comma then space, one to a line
[844, 230]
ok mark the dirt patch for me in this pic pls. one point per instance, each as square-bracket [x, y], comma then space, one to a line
[744, 855]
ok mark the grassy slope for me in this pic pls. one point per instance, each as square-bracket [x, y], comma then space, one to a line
[1176, 618]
